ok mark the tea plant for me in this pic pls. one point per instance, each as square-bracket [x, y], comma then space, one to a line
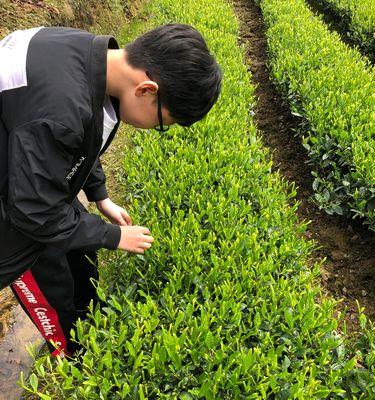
[359, 17]
[332, 89]
[224, 305]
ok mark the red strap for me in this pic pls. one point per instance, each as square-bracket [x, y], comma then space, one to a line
[42, 313]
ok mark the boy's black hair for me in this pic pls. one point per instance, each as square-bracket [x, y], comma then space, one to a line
[188, 76]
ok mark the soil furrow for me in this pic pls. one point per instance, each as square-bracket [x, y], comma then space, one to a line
[349, 248]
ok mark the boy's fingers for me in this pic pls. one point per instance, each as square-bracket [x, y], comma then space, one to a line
[121, 221]
[129, 221]
[146, 245]
[147, 238]
[126, 217]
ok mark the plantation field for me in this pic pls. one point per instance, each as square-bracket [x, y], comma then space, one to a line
[226, 305]
[347, 247]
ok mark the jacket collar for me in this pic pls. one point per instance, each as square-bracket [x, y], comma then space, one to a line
[97, 78]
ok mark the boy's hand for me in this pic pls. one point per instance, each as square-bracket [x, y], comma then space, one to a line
[117, 215]
[135, 239]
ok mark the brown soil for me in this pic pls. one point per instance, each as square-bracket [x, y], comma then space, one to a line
[7, 302]
[100, 17]
[22, 14]
[348, 272]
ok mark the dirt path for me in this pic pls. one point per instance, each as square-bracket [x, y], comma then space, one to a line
[18, 333]
[7, 302]
[349, 270]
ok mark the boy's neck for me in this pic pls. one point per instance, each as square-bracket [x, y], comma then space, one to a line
[116, 72]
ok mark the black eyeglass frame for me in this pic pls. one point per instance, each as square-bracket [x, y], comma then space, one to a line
[161, 127]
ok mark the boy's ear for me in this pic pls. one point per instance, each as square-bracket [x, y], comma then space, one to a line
[146, 86]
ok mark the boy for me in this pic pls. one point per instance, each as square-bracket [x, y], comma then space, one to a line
[63, 93]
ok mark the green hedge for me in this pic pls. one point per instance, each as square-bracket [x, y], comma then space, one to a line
[332, 88]
[359, 18]
[224, 305]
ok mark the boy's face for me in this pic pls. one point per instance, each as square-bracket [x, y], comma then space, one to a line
[136, 91]
[139, 106]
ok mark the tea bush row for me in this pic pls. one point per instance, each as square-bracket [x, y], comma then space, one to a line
[331, 87]
[359, 17]
[224, 305]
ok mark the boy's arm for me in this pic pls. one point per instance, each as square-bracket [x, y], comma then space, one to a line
[40, 158]
[94, 186]
[95, 190]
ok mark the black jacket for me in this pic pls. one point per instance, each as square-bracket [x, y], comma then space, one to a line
[52, 88]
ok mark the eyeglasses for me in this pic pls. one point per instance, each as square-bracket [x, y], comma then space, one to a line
[160, 127]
